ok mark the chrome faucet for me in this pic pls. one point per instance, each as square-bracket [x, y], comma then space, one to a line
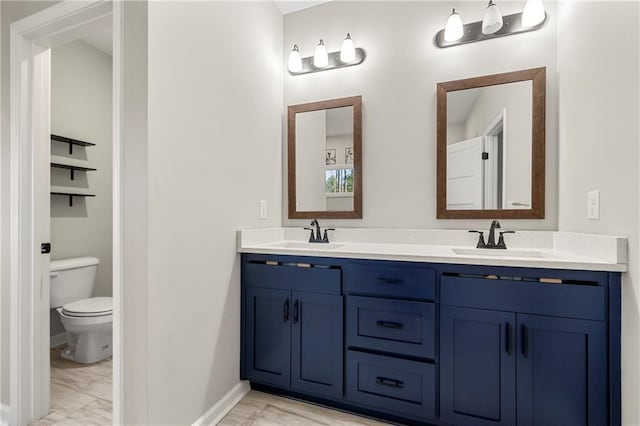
[491, 242]
[315, 238]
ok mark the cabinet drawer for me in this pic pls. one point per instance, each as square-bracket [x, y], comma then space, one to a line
[562, 300]
[397, 281]
[291, 277]
[402, 387]
[396, 326]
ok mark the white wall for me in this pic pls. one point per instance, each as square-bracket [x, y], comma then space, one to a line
[81, 102]
[397, 82]
[215, 114]
[598, 62]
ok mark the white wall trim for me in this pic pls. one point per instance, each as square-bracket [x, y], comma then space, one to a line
[224, 405]
[58, 339]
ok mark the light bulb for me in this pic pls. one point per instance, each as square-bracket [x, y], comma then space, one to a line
[348, 51]
[453, 30]
[492, 21]
[321, 57]
[533, 13]
[295, 61]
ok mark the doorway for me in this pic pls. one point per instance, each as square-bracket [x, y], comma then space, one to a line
[30, 198]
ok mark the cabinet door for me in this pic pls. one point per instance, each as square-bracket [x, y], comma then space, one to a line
[317, 348]
[268, 336]
[562, 371]
[477, 367]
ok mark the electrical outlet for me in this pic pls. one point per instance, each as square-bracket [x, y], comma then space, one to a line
[593, 205]
[263, 210]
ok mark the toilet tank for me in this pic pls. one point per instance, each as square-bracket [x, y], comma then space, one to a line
[72, 279]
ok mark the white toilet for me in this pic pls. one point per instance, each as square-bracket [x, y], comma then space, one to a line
[87, 320]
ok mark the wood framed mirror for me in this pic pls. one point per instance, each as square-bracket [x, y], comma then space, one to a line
[325, 159]
[491, 146]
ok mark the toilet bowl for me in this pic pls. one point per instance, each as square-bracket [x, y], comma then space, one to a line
[87, 320]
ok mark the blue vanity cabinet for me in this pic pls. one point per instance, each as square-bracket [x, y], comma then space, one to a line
[477, 366]
[317, 344]
[521, 346]
[561, 371]
[292, 327]
[268, 335]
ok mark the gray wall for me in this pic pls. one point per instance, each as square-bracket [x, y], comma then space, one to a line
[397, 82]
[599, 134]
[215, 105]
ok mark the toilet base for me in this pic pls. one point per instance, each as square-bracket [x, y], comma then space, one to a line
[87, 348]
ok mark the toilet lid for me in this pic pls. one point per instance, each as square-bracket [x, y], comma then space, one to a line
[93, 306]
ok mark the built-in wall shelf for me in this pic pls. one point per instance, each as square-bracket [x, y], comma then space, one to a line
[71, 142]
[72, 169]
[71, 195]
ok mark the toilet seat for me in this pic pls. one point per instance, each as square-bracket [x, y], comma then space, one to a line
[89, 308]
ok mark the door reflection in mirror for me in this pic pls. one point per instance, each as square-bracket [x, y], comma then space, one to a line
[489, 151]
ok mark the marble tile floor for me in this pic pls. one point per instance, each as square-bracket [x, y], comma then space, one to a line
[80, 393]
[262, 409]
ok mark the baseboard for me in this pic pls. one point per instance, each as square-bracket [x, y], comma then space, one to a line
[4, 415]
[223, 406]
[57, 340]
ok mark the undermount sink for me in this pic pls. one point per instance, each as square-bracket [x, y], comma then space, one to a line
[499, 252]
[305, 245]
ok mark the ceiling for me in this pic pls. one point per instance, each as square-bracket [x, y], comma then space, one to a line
[101, 40]
[290, 6]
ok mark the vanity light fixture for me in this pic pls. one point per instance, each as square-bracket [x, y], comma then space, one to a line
[492, 20]
[295, 61]
[322, 60]
[348, 51]
[321, 57]
[533, 13]
[453, 30]
[493, 25]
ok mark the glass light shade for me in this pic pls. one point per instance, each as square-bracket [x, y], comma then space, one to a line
[295, 61]
[348, 51]
[453, 30]
[321, 57]
[533, 13]
[492, 21]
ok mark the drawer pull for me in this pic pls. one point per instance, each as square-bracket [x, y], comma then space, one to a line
[389, 382]
[390, 280]
[390, 324]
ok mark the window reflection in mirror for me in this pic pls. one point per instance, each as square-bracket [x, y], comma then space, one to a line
[489, 147]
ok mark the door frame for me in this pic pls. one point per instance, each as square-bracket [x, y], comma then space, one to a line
[497, 125]
[30, 41]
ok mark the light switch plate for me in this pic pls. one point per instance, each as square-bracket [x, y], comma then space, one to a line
[263, 210]
[593, 205]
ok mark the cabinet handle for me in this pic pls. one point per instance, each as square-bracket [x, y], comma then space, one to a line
[390, 382]
[295, 311]
[507, 338]
[390, 324]
[524, 340]
[285, 314]
[390, 280]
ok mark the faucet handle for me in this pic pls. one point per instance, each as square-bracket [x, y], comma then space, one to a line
[481, 243]
[312, 237]
[501, 244]
[325, 237]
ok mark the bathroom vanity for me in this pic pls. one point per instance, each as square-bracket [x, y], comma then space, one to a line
[412, 335]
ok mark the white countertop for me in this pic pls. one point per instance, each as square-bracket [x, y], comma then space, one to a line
[533, 249]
